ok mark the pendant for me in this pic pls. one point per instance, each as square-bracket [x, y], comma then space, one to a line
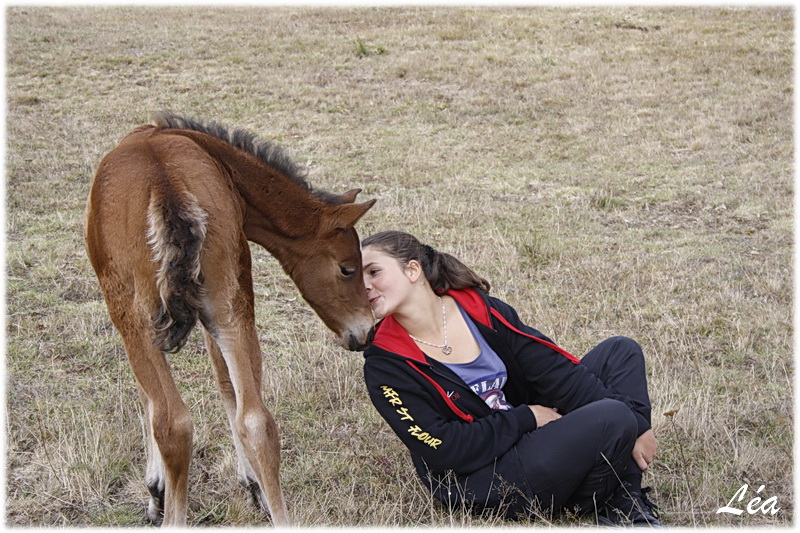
[447, 350]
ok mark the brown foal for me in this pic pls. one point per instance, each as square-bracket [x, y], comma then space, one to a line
[167, 223]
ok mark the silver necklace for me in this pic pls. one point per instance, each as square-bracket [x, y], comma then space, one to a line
[447, 350]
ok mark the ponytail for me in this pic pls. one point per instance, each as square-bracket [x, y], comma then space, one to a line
[443, 271]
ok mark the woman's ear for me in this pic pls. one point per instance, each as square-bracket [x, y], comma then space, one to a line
[413, 270]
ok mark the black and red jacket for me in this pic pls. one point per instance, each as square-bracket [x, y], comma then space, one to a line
[444, 424]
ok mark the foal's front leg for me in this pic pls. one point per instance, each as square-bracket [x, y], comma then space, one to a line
[236, 357]
[244, 472]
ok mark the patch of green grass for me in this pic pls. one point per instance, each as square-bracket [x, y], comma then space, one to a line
[535, 251]
[363, 50]
[605, 201]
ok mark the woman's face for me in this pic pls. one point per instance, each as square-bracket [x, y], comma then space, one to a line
[388, 282]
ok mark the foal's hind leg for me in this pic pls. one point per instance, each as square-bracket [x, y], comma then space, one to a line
[168, 427]
[237, 363]
[154, 474]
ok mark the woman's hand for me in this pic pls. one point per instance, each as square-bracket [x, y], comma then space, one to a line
[644, 451]
[544, 414]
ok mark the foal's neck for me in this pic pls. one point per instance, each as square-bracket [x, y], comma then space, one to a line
[277, 210]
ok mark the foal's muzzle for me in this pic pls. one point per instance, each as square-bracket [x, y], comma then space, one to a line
[355, 344]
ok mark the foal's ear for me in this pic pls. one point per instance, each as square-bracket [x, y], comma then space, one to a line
[350, 196]
[345, 216]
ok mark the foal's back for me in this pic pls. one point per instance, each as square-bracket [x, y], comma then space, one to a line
[154, 198]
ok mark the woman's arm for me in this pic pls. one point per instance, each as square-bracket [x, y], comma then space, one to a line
[427, 427]
[557, 380]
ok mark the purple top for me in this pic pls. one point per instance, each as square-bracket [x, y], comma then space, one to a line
[487, 374]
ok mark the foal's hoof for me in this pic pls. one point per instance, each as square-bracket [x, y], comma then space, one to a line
[254, 494]
[154, 516]
[155, 509]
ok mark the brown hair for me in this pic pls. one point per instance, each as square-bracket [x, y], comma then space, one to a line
[443, 271]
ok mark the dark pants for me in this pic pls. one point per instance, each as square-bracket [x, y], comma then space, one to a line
[578, 461]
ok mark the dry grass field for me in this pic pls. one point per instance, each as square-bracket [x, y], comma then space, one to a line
[610, 170]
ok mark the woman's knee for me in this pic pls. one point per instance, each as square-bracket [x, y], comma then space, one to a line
[613, 417]
[614, 353]
[626, 345]
[624, 352]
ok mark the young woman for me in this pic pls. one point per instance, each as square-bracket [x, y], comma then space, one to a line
[495, 415]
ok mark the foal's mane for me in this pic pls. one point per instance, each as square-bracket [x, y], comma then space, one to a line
[267, 152]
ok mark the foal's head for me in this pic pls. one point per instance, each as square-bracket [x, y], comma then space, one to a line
[327, 270]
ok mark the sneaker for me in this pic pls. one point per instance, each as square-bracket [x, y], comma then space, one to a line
[630, 508]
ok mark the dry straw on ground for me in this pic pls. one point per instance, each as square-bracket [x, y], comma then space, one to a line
[610, 170]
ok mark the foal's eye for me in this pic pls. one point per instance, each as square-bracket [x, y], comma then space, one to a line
[347, 271]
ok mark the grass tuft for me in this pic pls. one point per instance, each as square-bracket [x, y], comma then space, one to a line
[362, 50]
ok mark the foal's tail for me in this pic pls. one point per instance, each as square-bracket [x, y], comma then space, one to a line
[176, 232]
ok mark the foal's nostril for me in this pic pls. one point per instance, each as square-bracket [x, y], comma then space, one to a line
[357, 346]
[354, 344]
